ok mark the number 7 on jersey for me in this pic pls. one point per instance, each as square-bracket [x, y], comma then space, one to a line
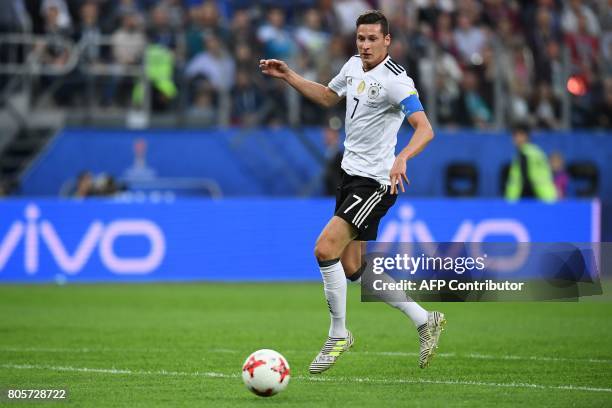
[355, 108]
[357, 201]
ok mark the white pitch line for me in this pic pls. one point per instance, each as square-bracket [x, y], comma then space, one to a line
[117, 371]
[537, 358]
[475, 383]
[477, 356]
[79, 349]
[453, 355]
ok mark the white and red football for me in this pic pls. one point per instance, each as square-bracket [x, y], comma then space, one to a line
[266, 372]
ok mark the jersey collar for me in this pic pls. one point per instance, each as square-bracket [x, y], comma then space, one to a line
[377, 65]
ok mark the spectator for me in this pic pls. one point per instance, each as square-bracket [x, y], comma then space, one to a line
[313, 114]
[606, 37]
[435, 40]
[530, 174]
[241, 29]
[215, 65]
[473, 110]
[194, 32]
[516, 66]
[248, 101]
[275, 37]
[278, 115]
[333, 173]
[518, 104]
[406, 57]
[310, 36]
[160, 30]
[606, 53]
[447, 77]
[489, 72]
[469, 39]
[110, 12]
[243, 54]
[89, 33]
[79, 87]
[545, 108]
[128, 44]
[347, 12]
[530, 10]
[409, 45]
[470, 8]
[54, 51]
[505, 34]
[516, 63]
[84, 185]
[584, 93]
[203, 112]
[159, 70]
[542, 34]
[204, 21]
[14, 17]
[428, 12]
[603, 109]
[444, 34]
[329, 20]
[336, 53]
[495, 11]
[126, 7]
[62, 19]
[560, 176]
[175, 12]
[105, 185]
[573, 11]
[128, 41]
[583, 46]
[550, 69]
[446, 71]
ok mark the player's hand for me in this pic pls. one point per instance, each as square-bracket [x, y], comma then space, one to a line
[398, 172]
[274, 68]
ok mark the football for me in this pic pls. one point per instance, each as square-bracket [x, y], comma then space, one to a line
[266, 372]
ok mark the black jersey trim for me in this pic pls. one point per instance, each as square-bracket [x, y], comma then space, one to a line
[396, 65]
[392, 68]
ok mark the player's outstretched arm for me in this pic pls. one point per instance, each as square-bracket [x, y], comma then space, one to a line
[423, 134]
[312, 90]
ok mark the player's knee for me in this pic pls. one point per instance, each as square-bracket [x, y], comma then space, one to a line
[324, 250]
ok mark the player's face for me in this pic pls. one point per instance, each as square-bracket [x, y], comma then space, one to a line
[519, 138]
[372, 44]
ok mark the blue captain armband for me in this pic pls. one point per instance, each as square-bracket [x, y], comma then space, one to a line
[411, 104]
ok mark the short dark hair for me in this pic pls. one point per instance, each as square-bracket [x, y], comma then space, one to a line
[374, 17]
[520, 128]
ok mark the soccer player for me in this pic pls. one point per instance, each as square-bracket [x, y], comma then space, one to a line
[379, 94]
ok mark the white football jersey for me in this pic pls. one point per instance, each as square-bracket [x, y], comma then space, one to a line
[373, 115]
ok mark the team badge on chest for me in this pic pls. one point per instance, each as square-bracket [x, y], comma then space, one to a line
[374, 91]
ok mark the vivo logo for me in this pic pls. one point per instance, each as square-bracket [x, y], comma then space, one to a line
[408, 230]
[35, 231]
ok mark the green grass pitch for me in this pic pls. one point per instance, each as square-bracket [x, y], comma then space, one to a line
[184, 344]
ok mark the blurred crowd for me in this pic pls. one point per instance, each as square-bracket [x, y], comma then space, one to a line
[202, 55]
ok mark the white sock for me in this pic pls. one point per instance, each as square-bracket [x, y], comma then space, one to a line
[409, 307]
[334, 285]
[413, 310]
